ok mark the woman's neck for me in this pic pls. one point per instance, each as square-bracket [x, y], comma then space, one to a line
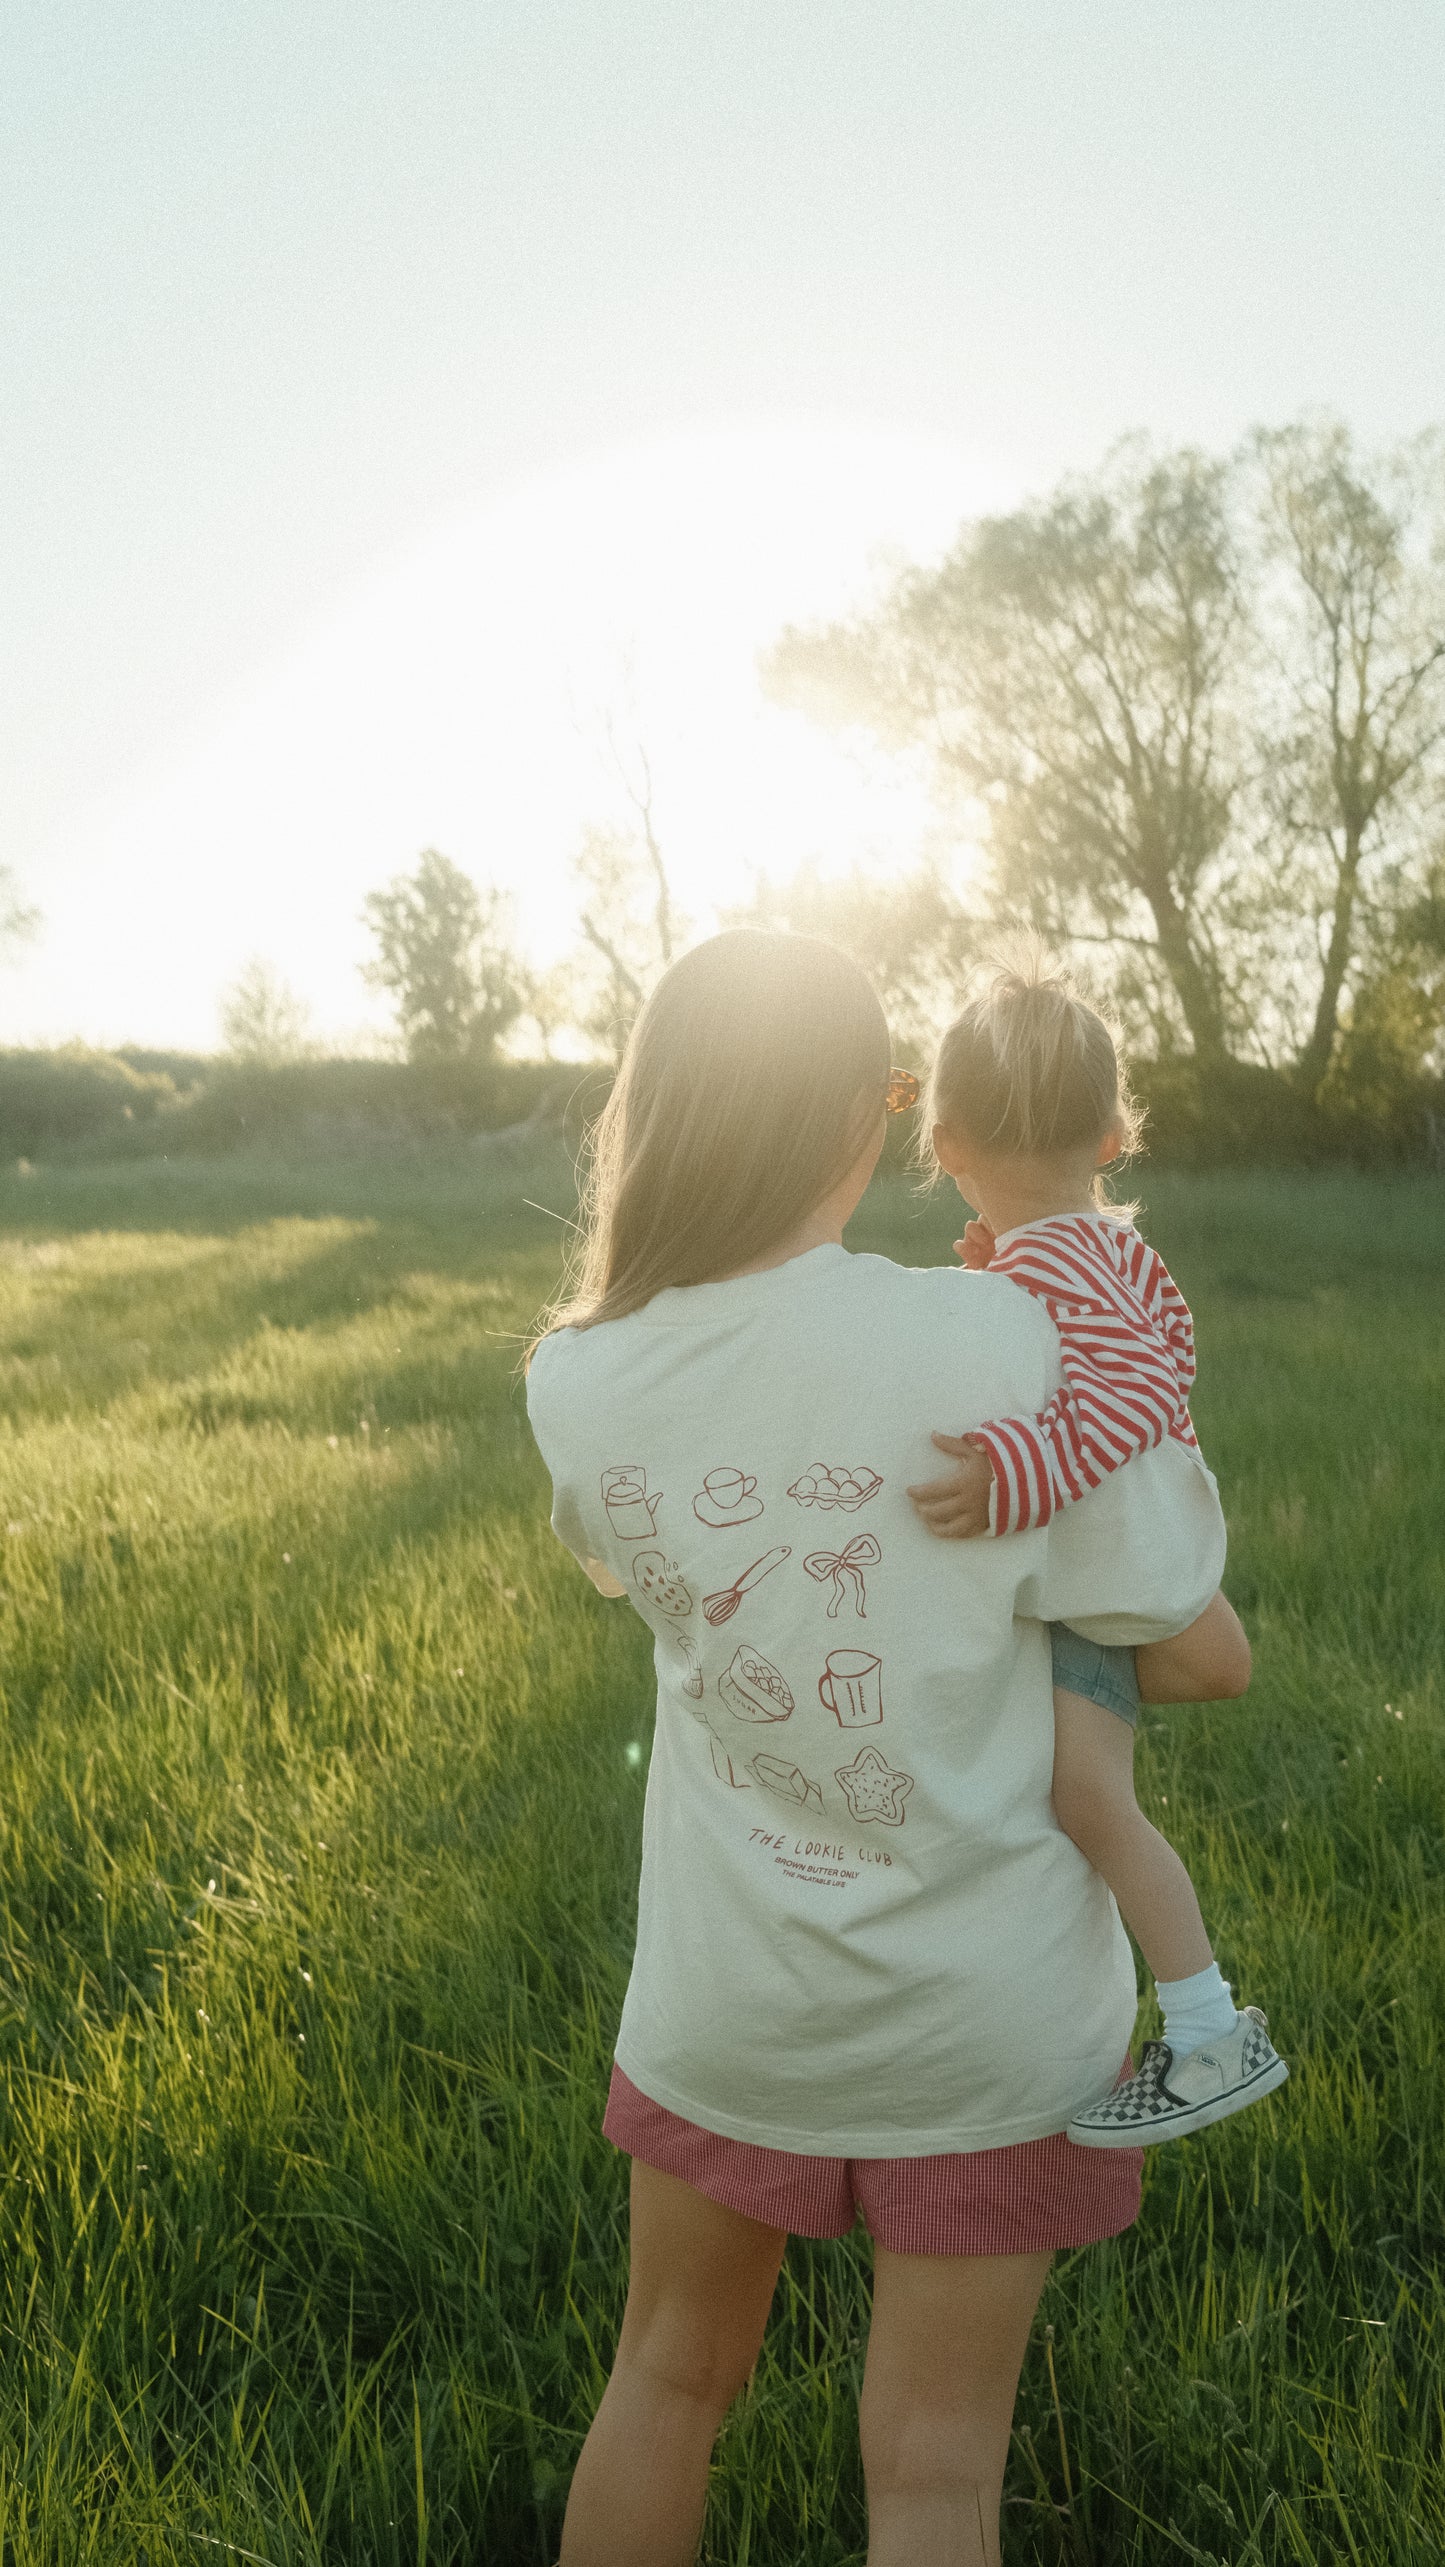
[824, 1226]
[816, 1232]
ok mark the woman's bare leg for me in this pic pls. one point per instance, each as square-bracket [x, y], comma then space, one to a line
[947, 2343]
[701, 2286]
[1095, 1805]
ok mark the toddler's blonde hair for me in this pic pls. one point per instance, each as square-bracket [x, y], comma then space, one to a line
[1029, 1066]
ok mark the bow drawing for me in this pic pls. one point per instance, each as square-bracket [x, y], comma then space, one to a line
[845, 1568]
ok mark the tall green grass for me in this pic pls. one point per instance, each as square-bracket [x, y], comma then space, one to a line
[320, 1782]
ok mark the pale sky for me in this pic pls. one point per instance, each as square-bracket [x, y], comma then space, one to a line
[382, 382]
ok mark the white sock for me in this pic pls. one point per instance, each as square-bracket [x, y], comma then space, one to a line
[1196, 2010]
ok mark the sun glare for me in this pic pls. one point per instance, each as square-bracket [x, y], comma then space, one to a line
[461, 697]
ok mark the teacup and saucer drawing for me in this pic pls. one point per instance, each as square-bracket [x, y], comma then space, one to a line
[727, 1497]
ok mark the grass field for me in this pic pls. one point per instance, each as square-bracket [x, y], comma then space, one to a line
[321, 1775]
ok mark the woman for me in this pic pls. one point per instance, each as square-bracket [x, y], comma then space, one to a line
[871, 1972]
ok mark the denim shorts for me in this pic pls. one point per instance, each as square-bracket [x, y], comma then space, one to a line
[1105, 1676]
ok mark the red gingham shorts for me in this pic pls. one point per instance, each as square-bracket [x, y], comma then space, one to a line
[1040, 2195]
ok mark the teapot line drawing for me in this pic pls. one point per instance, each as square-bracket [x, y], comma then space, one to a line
[631, 1513]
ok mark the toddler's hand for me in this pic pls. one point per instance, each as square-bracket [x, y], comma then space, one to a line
[976, 1245]
[956, 1508]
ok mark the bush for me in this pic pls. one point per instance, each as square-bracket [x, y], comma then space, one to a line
[336, 1104]
[52, 1100]
[183, 1069]
[95, 1104]
[1238, 1115]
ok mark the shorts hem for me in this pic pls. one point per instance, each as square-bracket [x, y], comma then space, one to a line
[1041, 2196]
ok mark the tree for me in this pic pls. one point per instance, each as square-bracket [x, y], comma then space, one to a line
[629, 920]
[1073, 668]
[550, 1001]
[443, 955]
[1356, 615]
[910, 934]
[1392, 1019]
[262, 1019]
[18, 920]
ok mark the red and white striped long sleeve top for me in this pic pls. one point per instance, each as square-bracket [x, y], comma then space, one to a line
[1126, 1343]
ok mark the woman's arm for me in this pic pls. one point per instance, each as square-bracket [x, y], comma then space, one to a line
[1209, 1662]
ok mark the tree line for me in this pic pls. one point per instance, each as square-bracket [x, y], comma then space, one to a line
[1192, 708]
[1184, 716]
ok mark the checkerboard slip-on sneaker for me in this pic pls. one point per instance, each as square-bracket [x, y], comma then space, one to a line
[1166, 2097]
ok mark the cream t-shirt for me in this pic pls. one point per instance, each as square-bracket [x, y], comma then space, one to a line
[861, 1931]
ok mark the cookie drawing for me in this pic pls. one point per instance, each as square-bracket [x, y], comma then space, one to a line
[833, 1484]
[754, 1688]
[874, 1789]
[661, 1582]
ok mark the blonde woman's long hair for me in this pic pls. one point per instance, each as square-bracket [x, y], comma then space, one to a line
[750, 1083]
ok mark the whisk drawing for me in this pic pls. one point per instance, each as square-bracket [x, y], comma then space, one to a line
[721, 1606]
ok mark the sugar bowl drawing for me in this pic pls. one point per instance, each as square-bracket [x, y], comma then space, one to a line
[851, 1687]
[631, 1513]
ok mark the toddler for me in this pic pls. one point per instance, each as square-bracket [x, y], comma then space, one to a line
[1027, 1104]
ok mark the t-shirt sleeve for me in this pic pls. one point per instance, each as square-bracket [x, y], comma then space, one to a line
[567, 1521]
[1139, 1559]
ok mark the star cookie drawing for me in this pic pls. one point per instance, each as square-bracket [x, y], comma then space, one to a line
[874, 1789]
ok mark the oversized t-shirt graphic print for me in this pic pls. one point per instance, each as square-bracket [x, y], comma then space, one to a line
[752, 1687]
[860, 1931]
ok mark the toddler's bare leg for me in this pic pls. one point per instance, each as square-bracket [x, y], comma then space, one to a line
[1095, 1805]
